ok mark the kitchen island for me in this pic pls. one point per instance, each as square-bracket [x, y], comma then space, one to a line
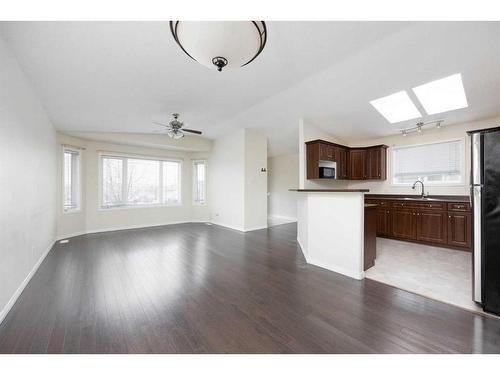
[330, 229]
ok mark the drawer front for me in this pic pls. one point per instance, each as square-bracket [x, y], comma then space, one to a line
[420, 205]
[459, 206]
[429, 205]
[378, 202]
[399, 204]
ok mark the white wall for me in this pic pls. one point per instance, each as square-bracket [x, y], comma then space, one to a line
[27, 180]
[428, 136]
[283, 174]
[309, 132]
[93, 219]
[237, 187]
[226, 181]
[255, 180]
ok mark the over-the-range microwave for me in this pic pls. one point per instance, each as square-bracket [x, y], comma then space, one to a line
[327, 172]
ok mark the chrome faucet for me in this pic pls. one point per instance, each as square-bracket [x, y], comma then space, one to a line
[423, 191]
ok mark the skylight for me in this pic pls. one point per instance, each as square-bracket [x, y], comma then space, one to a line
[396, 107]
[442, 95]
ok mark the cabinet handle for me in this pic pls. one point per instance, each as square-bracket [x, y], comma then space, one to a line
[449, 217]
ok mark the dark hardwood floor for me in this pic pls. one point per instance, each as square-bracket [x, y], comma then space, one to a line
[194, 288]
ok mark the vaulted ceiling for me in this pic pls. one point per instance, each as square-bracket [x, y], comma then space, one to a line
[121, 76]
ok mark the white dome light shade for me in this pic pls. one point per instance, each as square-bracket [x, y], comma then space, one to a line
[220, 44]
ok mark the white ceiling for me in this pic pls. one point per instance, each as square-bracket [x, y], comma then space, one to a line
[121, 76]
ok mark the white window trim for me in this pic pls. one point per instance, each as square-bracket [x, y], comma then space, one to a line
[438, 184]
[122, 156]
[78, 209]
[194, 202]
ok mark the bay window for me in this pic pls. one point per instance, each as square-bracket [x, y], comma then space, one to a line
[199, 182]
[71, 179]
[134, 181]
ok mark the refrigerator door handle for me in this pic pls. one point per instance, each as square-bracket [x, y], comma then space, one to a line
[476, 196]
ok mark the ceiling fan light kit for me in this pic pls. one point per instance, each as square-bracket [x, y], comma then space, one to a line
[220, 44]
[175, 128]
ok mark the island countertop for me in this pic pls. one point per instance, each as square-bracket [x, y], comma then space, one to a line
[331, 190]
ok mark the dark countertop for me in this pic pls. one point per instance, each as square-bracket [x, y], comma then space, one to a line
[447, 198]
[331, 190]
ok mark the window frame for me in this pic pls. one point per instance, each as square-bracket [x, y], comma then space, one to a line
[463, 158]
[78, 208]
[194, 180]
[121, 156]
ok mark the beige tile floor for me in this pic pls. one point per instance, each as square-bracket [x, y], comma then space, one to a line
[434, 272]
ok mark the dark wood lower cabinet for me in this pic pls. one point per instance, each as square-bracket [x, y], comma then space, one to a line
[432, 226]
[370, 246]
[460, 229]
[433, 223]
[384, 222]
[403, 224]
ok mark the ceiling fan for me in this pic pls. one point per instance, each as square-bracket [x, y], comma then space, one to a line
[175, 128]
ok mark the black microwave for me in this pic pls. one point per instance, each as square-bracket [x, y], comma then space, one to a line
[326, 172]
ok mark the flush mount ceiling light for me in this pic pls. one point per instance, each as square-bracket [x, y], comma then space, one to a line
[396, 107]
[221, 44]
[442, 95]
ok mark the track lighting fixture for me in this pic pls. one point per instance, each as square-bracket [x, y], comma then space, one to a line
[419, 127]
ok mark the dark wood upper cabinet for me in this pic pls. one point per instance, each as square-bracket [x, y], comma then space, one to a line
[326, 152]
[375, 163]
[357, 164]
[342, 158]
[432, 226]
[352, 163]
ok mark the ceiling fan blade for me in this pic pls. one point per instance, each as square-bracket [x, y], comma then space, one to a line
[191, 131]
[159, 123]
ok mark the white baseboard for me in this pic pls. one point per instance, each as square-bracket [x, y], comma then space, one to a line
[280, 217]
[334, 268]
[329, 267]
[19, 290]
[255, 228]
[239, 229]
[113, 229]
[234, 227]
[70, 235]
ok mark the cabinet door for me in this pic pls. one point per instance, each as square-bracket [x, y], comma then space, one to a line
[313, 151]
[384, 219]
[460, 229]
[432, 226]
[374, 163]
[357, 164]
[341, 159]
[403, 224]
[326, 152]
[345, 162]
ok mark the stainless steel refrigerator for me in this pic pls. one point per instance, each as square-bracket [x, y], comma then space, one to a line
[485, 196]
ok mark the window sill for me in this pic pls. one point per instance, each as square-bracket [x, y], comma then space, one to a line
[126, 207]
